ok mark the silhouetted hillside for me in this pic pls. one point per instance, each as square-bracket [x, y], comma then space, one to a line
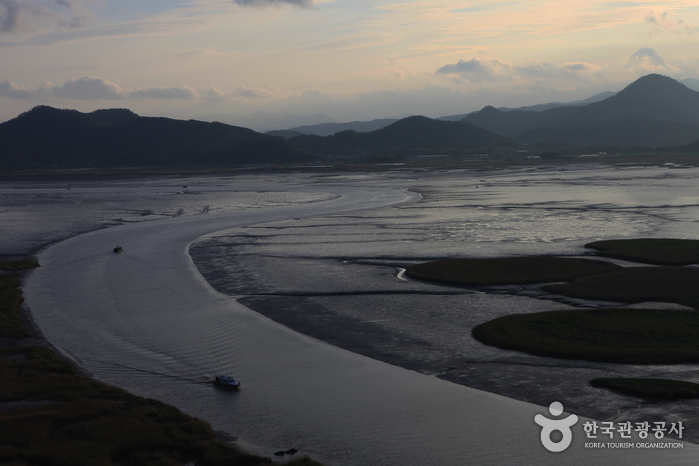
[627, 132]
[283, 133]
[539, 107]
[46, 136]
[409, 136]
[651, 97]
[328, 129]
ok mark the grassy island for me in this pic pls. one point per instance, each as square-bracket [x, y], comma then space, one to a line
[635, 285]
[11, 323]
[508, 270]
[650, 251]
[632, 336]
[650, 388]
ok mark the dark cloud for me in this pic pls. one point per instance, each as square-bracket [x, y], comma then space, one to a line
[265, 3]
[16, 15]
[9, 15]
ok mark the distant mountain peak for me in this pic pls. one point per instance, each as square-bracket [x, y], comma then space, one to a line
[653, 83]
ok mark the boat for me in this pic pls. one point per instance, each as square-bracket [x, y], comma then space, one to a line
[118, 249]
[226, 382]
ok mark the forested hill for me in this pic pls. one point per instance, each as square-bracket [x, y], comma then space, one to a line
[50, 137]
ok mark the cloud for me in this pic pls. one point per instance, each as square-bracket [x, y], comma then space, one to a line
[14, 91]
[251, 93]
[19, 15]
[168, 93]
[196, 53]
[266, 3]
[479, 69]
[567, 70]
[646, 59]
[663, 23]
[211, 94]
[87, 88]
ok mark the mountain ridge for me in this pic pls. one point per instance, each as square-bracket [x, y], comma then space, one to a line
[46, 136]
[653, 97]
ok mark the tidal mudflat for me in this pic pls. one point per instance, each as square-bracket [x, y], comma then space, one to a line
[338, 277]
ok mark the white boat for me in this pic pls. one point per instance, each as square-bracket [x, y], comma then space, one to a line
[226, 382]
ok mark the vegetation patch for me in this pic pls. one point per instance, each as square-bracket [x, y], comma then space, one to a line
[509, 270]
[635, 285]
[650, 251]
[93, 423]
[664, 389]
[17, 265]
[11, 324]
[631, 336]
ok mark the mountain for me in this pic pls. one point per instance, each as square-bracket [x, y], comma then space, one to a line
[652, 97]
[328, 129]
[628, 132]
[283, 133]
[540, 107]
[408, 136]
[691, 83]
[262, 121]
[577, 103]
[46, 136]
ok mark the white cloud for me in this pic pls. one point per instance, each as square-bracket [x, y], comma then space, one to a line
[479, 69]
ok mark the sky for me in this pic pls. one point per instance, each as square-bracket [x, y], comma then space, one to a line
[347, 59]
